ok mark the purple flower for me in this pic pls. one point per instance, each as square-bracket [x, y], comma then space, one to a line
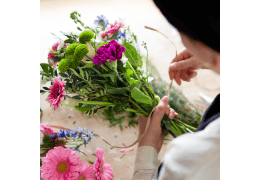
[108, 52]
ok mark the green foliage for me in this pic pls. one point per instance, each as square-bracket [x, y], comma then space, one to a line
[133, 56]
[64, 65]
[48, 71]
[85, 36]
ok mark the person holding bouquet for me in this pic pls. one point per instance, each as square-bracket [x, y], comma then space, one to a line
[191, 155]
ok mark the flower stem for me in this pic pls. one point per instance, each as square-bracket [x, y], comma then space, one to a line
[141, 109]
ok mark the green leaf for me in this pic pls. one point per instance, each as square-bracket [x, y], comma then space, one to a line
[70, 90]
[93, 102]
[73, 88]
[80, 93]
[118, 90]
[42, 91]
[139, 96]
[131, 53]
[97, 94]
[101, 92]
[84, 90]
[88, 65]
[81, 72]
[79, 28]
[75, 72]
[89, 89]
[46, 88]
[63, 75]
[44, 67]
[70, 41]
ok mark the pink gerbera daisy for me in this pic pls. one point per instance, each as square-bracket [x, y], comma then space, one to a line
[46, 130]
[60, 163]
[87, 172]
[103, 170]
[57, 93]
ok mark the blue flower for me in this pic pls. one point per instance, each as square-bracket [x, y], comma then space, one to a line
[121, 34]
[85, 138]
[89, 134]
[73, 133]
[53, 136]
[80, 130]
[62, 133]
[75, 148]
[101, 21]
[66, 133]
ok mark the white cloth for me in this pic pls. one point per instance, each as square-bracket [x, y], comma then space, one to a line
[192, 156]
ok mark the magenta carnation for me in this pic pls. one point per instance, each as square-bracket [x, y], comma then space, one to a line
[57, 93]
[103, 170]
[46, 130]
[87, 172]
[112, 29]
[108, 52]
[61, 163]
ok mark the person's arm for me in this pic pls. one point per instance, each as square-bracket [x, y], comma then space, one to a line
[146, 163]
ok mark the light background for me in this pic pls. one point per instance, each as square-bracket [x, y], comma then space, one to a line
[136, 14]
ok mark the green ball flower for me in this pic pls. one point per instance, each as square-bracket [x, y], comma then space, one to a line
[63, 65]
[85, 36]
[101, 44]
[79, 54]
[70, 50]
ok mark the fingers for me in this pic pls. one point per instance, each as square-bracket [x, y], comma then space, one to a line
[184, 64]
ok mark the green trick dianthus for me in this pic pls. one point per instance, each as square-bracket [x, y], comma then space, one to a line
[79, 54]
[63, 65]
[85, 36]
[70, 50]
[101, 44]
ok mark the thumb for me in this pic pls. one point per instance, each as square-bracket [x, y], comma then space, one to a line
[184, 64]
[159, 112]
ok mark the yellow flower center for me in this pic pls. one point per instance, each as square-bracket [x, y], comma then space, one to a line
[62, 167]
[102, 169]
[82, 177]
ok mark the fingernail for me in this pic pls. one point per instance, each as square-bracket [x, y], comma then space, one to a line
[165, 99]
[171, 115]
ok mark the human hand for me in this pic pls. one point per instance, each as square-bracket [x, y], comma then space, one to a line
[154, 135]
[185, 66]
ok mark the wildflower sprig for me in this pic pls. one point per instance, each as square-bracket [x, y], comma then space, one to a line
[66, 138]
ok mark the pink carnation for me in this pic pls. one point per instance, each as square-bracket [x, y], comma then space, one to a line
[51, 55]
[46, 130]
[57, 93]
[61, 163]
[55, 46]
[87, 172]
[103, 170]
[112, 29]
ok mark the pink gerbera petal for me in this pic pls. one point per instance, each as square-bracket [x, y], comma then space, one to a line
[56, 164]
[103, 170]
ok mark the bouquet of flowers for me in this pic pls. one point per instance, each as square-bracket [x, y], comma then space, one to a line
[60, 162]
[102, 68]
